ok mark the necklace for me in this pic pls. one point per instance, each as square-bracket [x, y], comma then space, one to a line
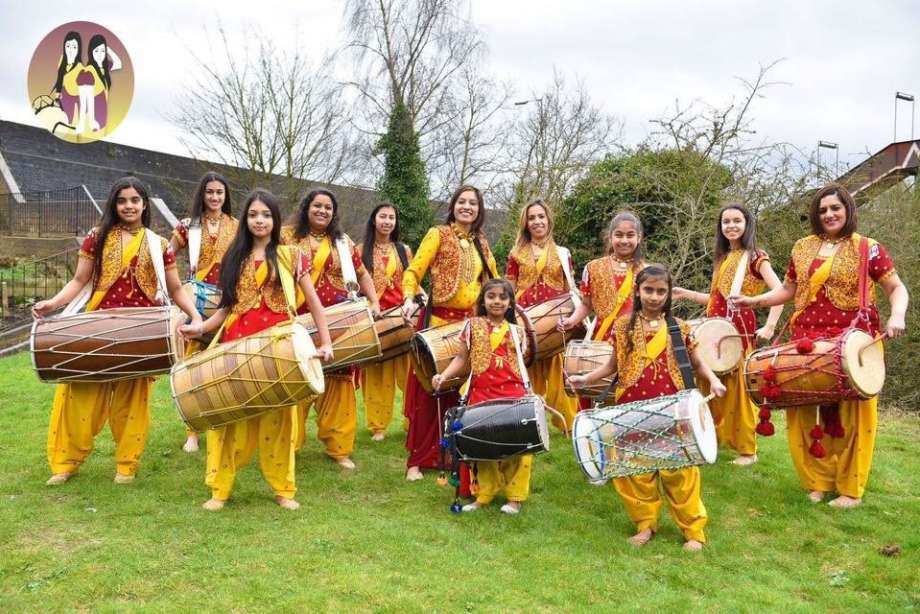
[130, 231]
[463, 236]
[318, 236]
[832, 242]
[652, 322]
[621, 263]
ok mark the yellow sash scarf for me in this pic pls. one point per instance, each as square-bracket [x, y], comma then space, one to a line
[127, 255]
[495, 338]
[285, 275]
[653, 349]
[723, 267]
[816, 282]
[319, 259]
[623, 294]
[392, 258]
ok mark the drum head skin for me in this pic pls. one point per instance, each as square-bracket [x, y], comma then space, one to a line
[867, 376]
[702, 425]
[587, 444]
[723, 358]
[305, 351]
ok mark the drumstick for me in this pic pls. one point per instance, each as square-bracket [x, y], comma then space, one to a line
[709, 397]
[859, 354]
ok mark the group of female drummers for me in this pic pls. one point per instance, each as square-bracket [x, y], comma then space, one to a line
[251, 259]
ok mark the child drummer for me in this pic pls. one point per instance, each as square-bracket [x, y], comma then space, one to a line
[647, 366]
[489, 349]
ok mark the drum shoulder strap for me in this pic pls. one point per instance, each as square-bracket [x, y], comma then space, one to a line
[681, 353]
[863, 273]
[154, 245]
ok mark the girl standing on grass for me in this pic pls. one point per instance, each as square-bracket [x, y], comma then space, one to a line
[253, 300]
[489, 351]
[644, 358]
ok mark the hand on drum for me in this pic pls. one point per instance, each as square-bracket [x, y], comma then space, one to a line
[895, 327]
[577, 381]
[565, 324]
[436, 380]
[743, 301]
[717, 388]
[42, 308]
[765, 333]
[193, 329]
[325, 353]
[408, 307]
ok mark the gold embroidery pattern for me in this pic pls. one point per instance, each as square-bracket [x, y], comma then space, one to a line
[381, 283]
[604, 286]
[842, 286]
[249, 295]
[553, 275]
[631, 365]
[751, 286]
[111, 263]
[214, 250]
[481, 351]
[453, 265]
[332, 272]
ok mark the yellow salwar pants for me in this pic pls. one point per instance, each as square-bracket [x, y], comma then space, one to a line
[336, 416]
[511, 476]
[231, 447]
[547, 381]
[80, 410]
[379, 382]
[735, 414]
[642, 498]
[845, 468]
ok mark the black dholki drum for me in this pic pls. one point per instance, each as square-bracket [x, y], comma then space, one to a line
[498, 429]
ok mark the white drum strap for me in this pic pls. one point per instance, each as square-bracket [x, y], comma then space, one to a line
[156, 257]
[348, 267]
[79, 301]
[591, 321]
[520, 357]
[194, 245]
[740, 272]
[564, 255]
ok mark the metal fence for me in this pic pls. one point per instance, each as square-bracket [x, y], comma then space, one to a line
[27, 281]
[50, 213]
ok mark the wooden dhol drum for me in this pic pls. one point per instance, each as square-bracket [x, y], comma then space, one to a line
[498, 429]
[206, 297]
[645, 436]
[719, 344]
[582, 357]
[432, 350]
[240, 379]
[833, 371]
[545, 316]
[395, 332]
[351, 328]
[107, 345]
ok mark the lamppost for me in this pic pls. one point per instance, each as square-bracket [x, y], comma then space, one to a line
[906, 98]
[829, 145]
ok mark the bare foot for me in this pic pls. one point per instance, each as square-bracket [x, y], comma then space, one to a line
[512, 507]
[414, 474]
[471, 507]
[815, 496]
[58, 478]
[345, 463]
[691, 545]
[121, 478]
[378, 437]
[286, 503]
[745, 459]
[845, 502]
[213, 505]
[191, 444]
[642, 537]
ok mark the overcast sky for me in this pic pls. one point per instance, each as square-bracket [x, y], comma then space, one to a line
[843, 60]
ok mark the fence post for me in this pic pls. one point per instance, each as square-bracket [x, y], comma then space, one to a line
[4, 298]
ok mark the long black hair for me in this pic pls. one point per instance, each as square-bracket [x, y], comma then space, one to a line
[231, 266]
[104, 71]
[198, 205]
[370, 232]
[723, 245]
[652, 271]
[303, 218]
[110, 215]
[505, 285]
[63, 66]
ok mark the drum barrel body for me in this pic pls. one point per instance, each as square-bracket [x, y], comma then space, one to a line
[351, 328]
[205, 297]
[395, 332]
[544, 317]
[499, 429]
[432, 351]
[582, 357]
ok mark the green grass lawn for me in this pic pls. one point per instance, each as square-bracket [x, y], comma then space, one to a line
[369, 541]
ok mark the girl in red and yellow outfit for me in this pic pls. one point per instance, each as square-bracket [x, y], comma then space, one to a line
[383, 256]
[316, 233]
[735, 415]
[537, 275]
[253, 300]
[823, 281]
[212, 212]
[488, 351]
[647, 368]
[458, 268]
[115, 257]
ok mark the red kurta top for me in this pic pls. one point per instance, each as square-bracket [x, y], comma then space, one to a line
[744, 319]
[539, 291]
[498, 380]
[125, 291]
[213, 246]
[594, 289]
[655, 380]
[822, 319]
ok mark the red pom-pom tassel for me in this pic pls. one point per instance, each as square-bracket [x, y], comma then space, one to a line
[816, 449]
[805, 346]
[816, 432]
[769, 374]
[765, 428]
[835, 430]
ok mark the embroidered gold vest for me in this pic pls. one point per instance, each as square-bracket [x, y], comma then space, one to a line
[248, 293]
[553, 274]
[603, 285]
[333, 272]
[453, 264]
[631, 364]
[842, 286]
[213, 251]
[481, 350]
[144, 272]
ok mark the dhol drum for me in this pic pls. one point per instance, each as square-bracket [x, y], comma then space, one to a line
[206, 297]
[582, 357]
[498, 429]
[395, 332]
[351, 328]
[545, 316]
[849, 366]
[645, 436]
[107, 345]
[247, 377]
[719, 344]
[432, 350]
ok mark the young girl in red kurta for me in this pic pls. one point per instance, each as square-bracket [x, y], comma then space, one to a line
[213, 214]
[488, 350]
[252, 300]
[832, 445]
[645, 362]
[116, 259]
[735, 415]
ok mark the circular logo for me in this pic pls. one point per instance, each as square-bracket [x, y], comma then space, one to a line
[80, 82]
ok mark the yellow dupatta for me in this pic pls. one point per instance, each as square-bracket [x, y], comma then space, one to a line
[623, 294]
[540, 265]
[653, 349]
[319, 259]
[817, 280]
[496, 337]
[127, 255]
